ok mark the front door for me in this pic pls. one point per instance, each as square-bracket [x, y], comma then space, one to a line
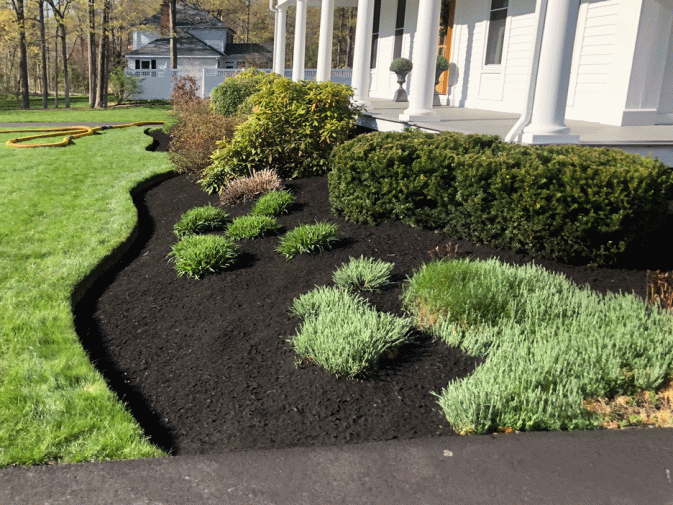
[445, 37]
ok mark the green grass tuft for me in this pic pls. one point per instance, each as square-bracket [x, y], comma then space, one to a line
[307, 238]
[548, 344]
[273, 203]
[342, 333]
[198, 255]
[251, 227]
[368, 274]
[200, 220]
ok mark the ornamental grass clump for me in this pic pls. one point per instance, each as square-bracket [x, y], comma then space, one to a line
[273, 203]
[250, 186]
[342, 333]
[548, 345]
[307, 238]
[200, 220]
[251, 227]
[198, 255]
[368, 274]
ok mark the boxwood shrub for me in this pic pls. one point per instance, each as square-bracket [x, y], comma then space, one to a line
[570, 203]
[400, 175]
[293, 128]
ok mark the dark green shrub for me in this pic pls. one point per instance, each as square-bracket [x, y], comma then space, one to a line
[570, 203]
[293, 129]
[406, 176]
[227, 96]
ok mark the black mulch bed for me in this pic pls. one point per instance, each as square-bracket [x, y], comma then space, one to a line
[205, 365]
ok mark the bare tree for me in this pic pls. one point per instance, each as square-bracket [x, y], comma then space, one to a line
[101, 89]
[171, 24]
[60, 9]
[91, 47]
[23, 59]
[43, 51]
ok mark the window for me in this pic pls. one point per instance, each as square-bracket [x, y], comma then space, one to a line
[399, 28]
[496, 32]
[137, 64]
[145, 65]
[375, 31]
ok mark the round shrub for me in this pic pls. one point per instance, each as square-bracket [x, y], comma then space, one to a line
[227, 96]
[442, 63]
[401, 65]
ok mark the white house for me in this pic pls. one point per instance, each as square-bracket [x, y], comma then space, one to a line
[604, 61]
[204, 45]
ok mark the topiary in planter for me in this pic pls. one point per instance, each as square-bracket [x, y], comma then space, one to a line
[442, 64]
[401, 66]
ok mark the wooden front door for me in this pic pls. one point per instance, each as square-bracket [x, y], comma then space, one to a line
[445, 37]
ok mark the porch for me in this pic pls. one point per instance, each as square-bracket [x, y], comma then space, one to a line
[654, 140]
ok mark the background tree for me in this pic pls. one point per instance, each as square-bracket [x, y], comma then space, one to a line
[23, 57]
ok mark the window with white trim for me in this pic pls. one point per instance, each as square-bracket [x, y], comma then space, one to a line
[496, 32]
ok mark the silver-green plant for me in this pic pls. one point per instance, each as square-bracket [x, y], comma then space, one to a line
[344, 334]
[251, 227]
[549, 345]
[200, 220]
[307, 238]
[273, 203]
[198, 255]
[367, 274]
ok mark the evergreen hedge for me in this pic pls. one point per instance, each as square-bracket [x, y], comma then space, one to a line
[570, 203]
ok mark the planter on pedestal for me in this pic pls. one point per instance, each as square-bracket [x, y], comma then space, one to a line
[401, 67]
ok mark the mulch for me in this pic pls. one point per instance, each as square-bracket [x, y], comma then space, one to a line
[205, 365]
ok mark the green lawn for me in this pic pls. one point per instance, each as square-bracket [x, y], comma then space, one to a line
[82, 113]
[63, 210]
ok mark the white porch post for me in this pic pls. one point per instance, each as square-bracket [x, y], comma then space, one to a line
[424, 59]
[324, 68]
[279, 42]
[551, 90]
[298, 60]
[362, 54]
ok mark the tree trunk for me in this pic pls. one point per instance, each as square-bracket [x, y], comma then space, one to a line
[171, 26]
[101, 92]
[91, 45]
[23, 58]
[64, 57]
[43, 50]
[56, 70]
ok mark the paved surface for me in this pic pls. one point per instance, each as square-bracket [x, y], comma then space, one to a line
[601, 467]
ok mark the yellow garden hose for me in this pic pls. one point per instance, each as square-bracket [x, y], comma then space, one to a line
[70, 132]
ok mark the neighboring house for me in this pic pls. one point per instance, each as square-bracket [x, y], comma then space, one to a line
[605, 61]
[204, 44]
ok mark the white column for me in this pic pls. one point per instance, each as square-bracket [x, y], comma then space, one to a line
[551, 90]
[298, 60]
[280, 40]
[275, 36]
[424, 59]
[362, 54]
[324, 68]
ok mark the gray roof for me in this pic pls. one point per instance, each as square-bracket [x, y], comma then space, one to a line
[186, 46]
[187, 15]
[242, 49]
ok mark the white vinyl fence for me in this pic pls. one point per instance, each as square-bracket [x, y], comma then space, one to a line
[157, 84]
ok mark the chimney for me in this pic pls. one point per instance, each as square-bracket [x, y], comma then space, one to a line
[164, 23]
